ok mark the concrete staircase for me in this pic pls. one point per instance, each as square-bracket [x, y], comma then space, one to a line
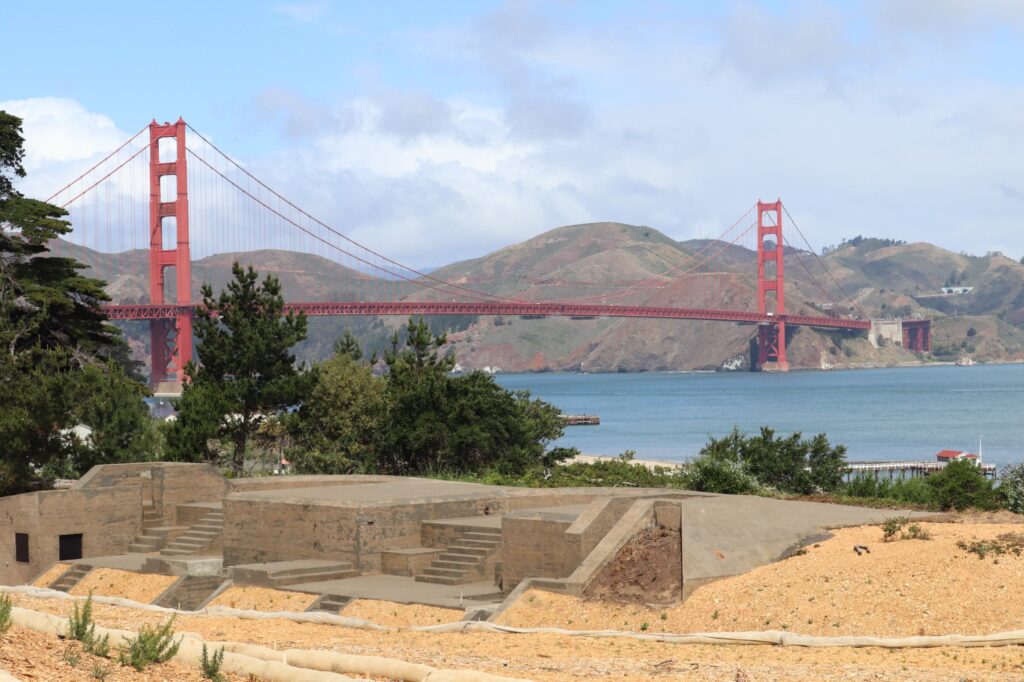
[299, 571]
[189, 592]
[463, 561]
[198, 538]
[330, 603]
[71, 577]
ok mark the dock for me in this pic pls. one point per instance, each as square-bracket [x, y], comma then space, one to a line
[907, 469]
[580, 420]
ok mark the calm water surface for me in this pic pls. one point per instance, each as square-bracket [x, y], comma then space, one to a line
[879, 414]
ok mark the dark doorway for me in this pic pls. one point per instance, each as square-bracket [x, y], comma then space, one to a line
[21, 548]
[70, 547]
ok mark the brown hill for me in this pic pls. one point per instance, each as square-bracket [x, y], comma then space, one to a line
[589, 262]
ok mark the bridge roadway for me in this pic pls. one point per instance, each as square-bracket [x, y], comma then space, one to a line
[171, 311]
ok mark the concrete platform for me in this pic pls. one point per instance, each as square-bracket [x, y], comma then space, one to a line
[125, 562]
[406, 591]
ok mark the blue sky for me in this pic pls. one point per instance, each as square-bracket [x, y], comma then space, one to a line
[437, 131]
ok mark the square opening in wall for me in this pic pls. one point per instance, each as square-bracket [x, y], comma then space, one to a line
[70, 547]
[21, 548]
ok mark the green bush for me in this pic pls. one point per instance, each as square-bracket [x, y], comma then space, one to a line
[210, 665]
[708, 473]
[1011, 487]
[914, 491]
[5, 613]
[151, 645]
[81, 628]
[962, 484]
[790, 465]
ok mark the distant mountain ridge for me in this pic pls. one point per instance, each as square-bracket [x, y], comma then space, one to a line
[590, 260]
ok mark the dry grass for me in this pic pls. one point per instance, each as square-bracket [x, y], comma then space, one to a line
[902, 588]
[397, 615]
[263, 599]
[113, 582]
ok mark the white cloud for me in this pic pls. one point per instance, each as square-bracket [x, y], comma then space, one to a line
[676, 124]
[304, 12]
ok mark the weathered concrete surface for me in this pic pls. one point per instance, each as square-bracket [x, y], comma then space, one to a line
[406, 591]
[165, 485]
[108, 519]
[731, 534]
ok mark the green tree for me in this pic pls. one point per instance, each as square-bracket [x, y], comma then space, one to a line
[348, 345]
[246, 370]
[55, 343]
[791, 465]
[962, 484]
[337, 426]
[415, 434]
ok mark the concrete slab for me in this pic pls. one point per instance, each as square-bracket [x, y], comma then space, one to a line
[732, 534]
[125, 562]
[567, 513]
[405, 590]
[493, 521]
[196, 566]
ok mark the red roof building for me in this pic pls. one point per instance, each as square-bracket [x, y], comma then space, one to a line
[950, 455]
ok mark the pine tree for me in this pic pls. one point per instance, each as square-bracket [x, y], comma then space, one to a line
[246, 369]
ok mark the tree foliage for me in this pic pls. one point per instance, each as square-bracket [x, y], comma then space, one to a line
[790, 465]
[58, 353]
[418, 418]
[962, 484]
[246, 372]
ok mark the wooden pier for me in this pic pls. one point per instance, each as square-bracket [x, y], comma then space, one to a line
[580, 420]
[906, 469]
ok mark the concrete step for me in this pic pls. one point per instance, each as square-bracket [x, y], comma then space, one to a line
[459, 558]
[314, 577]
[483, 544]
[305, 572]
[330, 603]
[456, 565]
[70, 578]
[438, 580]
[477, 535]
[444, 572]
[142, 548]
[468, 549]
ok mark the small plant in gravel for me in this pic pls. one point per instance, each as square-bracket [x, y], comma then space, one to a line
[81, 628]
[916, 532]
[71, 655]
[644, 626]
[1006, 543]
[5, 613]
[99, 672]
[210, 665]
[892, 526]
[151, 645]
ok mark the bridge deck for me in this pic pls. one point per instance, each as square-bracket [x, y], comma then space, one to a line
[327, 308]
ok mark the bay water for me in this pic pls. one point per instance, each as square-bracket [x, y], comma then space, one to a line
[878, 414]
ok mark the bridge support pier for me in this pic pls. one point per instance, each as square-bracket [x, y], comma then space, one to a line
[170, 340]
[771, 287]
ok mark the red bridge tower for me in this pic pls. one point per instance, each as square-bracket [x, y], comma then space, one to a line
[170, 339]
[771, 284]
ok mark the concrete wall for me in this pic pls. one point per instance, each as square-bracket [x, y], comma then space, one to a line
[534, 545]
[108, 519]
[163, 484]
[891, 331]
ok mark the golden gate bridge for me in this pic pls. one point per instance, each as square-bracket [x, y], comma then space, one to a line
[200, 199]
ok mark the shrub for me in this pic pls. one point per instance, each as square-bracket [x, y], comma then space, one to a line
[1011, 487]
[790, 465]
[914, 491]
[151, 645]
[5, 613]
[893, 525]
[210, 665]
[82, 629]
[962, 484]
[713, 474]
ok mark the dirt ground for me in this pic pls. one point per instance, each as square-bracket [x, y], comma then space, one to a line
[263, 599]
[563, 657]
[398, 615]
[113, 582]
[646, 570]
[36, 657]
[50, 575]
[901, 588]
